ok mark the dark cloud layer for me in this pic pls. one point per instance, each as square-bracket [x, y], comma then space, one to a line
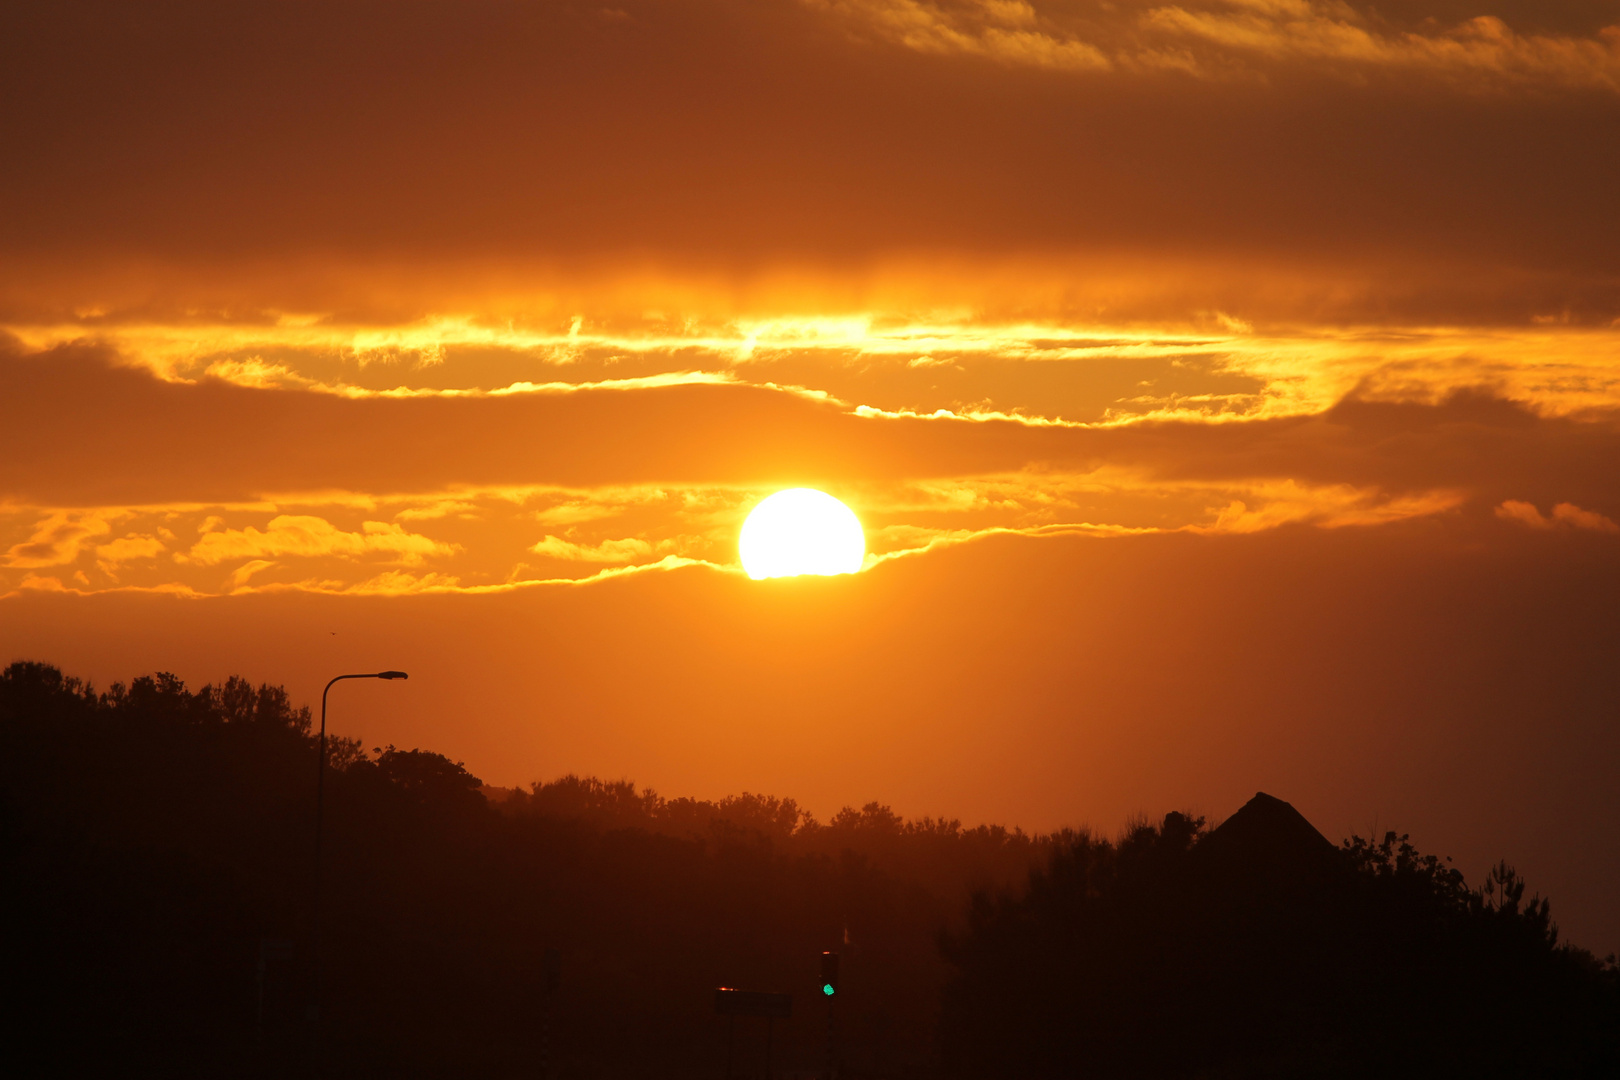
[721, 131]
[85, 434]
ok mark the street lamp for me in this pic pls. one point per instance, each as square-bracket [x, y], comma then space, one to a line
[320, 802]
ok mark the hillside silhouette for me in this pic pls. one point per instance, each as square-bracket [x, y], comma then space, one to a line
[157, 849]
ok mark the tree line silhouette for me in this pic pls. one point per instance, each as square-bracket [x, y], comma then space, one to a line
[1258, 949]
[158, 854]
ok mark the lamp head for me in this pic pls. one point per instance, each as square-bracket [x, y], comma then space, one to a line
[392, 675]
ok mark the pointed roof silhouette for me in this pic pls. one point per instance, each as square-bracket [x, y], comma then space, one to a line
[1265, 821]
[1269, 841]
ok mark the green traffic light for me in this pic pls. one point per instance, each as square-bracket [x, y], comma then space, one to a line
[827, 988]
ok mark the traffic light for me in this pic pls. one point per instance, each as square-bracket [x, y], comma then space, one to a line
[829, 973]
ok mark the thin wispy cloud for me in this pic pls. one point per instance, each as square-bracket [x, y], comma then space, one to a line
[1227, 39]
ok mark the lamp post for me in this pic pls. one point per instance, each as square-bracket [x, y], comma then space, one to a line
[320, 802]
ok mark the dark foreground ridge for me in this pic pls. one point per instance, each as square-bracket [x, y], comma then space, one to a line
[157, 861]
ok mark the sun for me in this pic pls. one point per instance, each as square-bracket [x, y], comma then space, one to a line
[801, 531]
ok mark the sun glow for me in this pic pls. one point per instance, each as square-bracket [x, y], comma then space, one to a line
[801, 531]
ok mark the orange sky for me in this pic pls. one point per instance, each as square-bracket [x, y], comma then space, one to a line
[1229, 389]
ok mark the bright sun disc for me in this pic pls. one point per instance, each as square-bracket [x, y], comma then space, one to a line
[801, 531]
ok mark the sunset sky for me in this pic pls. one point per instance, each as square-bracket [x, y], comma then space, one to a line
[1229, 390]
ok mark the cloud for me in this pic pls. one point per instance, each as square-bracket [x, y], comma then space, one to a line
[899, 364]
[313, 537]
[608, 551]
[434, 509]
[1482, 51]
[58, 539]
[127, 549]
[88, 435]
[872, 130]
[493, 542]
[1331, 507]
[1220, 38]
[1007, 31]
[252, 372]
[238, 578]
[401, 583]
[1564, 515]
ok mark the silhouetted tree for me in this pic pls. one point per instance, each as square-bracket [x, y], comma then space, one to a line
[1258, 949]
[156, 836]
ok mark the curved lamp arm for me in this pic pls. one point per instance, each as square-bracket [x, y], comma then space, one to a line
[320, 799]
